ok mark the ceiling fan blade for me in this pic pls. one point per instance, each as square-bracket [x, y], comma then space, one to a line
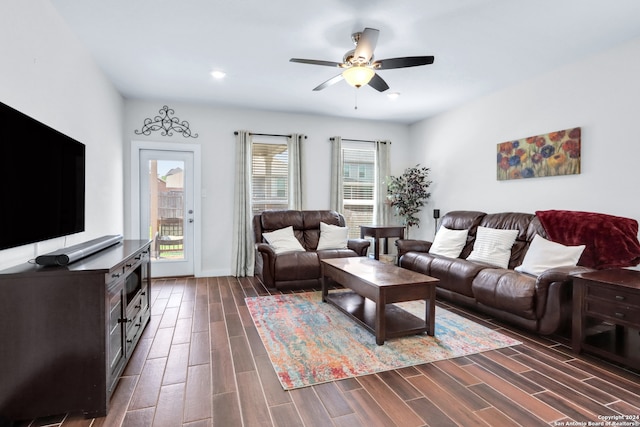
[378, 83]
[407, 61]
[316, 62]
[329, 82]
[366, 44]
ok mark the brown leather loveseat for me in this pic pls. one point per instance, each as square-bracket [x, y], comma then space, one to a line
[298, 269]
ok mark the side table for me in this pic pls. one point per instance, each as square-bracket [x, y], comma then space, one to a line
[606, 315]
[381, 232]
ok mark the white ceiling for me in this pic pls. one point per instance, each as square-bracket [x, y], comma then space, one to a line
[165, 49]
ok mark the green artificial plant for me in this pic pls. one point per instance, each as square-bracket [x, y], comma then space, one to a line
[407, 194]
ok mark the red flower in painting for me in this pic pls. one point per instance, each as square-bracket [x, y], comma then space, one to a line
[531, 140]
[540, 141]
[515, 174]
[522, 154]
[574, 133]
[556, 136]
[504, 163]
[572, 148]
[506, 147]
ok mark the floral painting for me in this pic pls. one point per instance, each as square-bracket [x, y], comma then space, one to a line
[556, 153]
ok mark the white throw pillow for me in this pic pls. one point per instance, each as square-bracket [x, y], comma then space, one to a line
[449, 242]
[493, 246]
[283, 240]
[332, 237]
[544, 254]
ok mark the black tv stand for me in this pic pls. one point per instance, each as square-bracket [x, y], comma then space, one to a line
[68, 331]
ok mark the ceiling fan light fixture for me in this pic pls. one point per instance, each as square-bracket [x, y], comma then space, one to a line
[358, 75]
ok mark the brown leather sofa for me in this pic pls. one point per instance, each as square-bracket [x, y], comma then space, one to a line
[298, 270]
[540, 304]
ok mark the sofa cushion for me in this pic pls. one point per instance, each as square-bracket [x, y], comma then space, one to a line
[506, 290]
[544, 254]
[283, 240]
[332, 237]
[455, 274]
[493, 246]
[449, 242]
[293, 266]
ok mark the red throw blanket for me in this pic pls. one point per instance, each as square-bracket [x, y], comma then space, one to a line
[611, 241]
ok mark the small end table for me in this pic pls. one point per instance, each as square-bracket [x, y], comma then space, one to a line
[606, 315]
[381, 232]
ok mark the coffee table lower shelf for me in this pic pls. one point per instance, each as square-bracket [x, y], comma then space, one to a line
[398, 322]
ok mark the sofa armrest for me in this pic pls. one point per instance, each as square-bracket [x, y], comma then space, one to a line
[359, 246]
[560, 276]
[410, 245]
[268, 263]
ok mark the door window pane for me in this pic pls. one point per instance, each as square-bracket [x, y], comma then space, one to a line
[166, 178]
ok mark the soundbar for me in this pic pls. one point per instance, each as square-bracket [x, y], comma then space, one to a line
[73, 253]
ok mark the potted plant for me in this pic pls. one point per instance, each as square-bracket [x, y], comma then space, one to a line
[407, 194]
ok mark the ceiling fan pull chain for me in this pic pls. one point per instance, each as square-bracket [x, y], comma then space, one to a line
[356, 100]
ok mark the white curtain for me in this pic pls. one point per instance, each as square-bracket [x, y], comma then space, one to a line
[242, 247]
[381, 214]
[336, 191]
[294, 146]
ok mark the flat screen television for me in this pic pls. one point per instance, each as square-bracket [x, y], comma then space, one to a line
[43, 181]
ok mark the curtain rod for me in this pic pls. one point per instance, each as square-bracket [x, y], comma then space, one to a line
[268, 134]
[358, 140]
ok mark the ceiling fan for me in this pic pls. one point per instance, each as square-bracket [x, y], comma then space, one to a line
[359, 65]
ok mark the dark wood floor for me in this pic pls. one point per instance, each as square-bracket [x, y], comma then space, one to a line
[201, 363]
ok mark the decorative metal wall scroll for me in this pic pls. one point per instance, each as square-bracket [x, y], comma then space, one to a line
[166, 125]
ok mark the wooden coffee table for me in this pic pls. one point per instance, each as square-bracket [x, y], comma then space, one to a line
[376, 285]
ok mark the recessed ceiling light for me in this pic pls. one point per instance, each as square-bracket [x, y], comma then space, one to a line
[218, 74]
[394, 95]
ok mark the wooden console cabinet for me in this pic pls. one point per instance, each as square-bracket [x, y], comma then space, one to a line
[67, 332]
[606, 315]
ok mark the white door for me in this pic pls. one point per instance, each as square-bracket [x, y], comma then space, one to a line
[167, 210]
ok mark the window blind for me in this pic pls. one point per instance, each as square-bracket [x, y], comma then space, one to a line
[358, 187]
[270, 177]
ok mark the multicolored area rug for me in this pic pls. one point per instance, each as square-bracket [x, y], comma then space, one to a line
[310, 342]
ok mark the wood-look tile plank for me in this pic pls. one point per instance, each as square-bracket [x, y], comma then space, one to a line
[138, 358]
[186, 309]
[551, 362]
[444, 401]
[255, 342]
[349, 420]
[72, 420]
[624, 408]
[182, 331]
[222, 371]
[234, 325]
[161, 343]
[505, 373]
[367, 409]
[515, 394]
[493, 417]
[170, 406]
[218, 335]
[200, 351]
[431, 413]
[456, 372]
[463, 396]
[573, 392]
[200, 319]
[273, 391]
[399, 385]
[241, 355]
[310, 407]
[198, 404]
[395, 407]
[567, 407]
[348, 384]
[226, 410]
[175, 300]
[621, 377]
[216, 312]
[508, 362]
[285, 415]
[623, 394]
[566, 380]
[169, 317]
[177, 365]
[200, 423]
[511, 409]
[148, 387]
[139, 418]
[252, 404]
[332, 399]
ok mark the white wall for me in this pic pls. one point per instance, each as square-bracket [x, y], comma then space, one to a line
[599, 94]
[215, 127]
[47, 74]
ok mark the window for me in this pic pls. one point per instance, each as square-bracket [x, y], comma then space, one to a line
[270, 174]
[358, 187]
